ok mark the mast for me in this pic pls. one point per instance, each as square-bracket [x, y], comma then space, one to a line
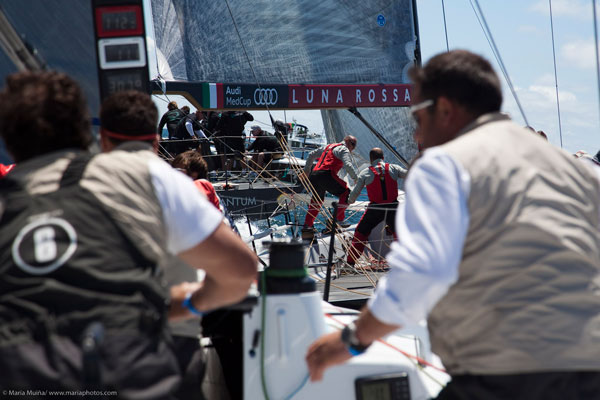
[379, 136]
[23, 56]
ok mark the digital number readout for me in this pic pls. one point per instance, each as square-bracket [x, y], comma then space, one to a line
[116, 81]
[122, 52]
[119, 21]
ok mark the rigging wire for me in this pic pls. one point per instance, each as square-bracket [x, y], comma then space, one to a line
[445, 27]
[496, 52]
[237, 31]
[284, 145]
[555, 73]
[596, 47]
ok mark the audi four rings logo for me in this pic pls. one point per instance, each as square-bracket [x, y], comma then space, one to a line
[265, 97]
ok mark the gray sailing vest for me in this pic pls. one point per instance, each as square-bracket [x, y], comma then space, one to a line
[64, 264]
[527, 298]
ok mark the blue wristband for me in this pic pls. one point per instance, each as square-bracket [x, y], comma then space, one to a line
[187, 303]
[354, 352]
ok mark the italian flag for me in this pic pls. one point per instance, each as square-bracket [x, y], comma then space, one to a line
[212, 95]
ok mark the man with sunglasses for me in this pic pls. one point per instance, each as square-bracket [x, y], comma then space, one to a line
[498, 247]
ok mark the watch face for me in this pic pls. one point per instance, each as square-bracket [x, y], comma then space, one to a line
[351, 341]
[346, 335]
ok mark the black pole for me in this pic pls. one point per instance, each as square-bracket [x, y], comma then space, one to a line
[288, 220]
[330, 257]
[379, 136]
[250, 231]
[269, 225]
[303, 147]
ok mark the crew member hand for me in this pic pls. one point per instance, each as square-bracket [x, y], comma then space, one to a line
[178, 292]
[326, 352]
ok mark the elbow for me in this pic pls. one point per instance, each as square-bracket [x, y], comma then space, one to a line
[247, 276]
[236, 285]
[249, 270]
[246, 270]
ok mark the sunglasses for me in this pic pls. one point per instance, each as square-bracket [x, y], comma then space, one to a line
[421, 106]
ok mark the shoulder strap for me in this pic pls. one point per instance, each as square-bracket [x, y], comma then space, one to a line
[74, 171]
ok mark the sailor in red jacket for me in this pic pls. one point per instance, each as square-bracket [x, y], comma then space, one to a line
[381, 180]
[324, 176]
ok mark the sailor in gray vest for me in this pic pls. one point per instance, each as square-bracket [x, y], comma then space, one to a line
[84, 241]
[381, 181]
[498, 247]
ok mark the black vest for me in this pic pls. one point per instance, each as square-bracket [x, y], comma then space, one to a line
[64, 263]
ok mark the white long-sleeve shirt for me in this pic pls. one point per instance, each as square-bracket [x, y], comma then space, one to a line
[431, 225]
[189, 126]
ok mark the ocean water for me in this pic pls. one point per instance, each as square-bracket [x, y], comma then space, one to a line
[296, 218]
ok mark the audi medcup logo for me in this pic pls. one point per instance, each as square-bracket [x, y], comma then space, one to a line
[265, 97]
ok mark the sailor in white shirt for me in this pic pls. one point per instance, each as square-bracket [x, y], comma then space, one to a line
[498, 248]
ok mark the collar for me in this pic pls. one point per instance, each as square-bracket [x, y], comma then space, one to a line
[376, 162]
[482, 120]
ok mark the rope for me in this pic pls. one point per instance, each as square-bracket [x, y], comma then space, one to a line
[555, 73]
[596, 47]
[307, 185]
[496, 52]
[445, 28]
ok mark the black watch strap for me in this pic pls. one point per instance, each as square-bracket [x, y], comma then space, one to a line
[351, 341]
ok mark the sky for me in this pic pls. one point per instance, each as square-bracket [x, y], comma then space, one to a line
[521, 30]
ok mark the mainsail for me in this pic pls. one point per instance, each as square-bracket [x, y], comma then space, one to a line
[293, 44]
[300, 46]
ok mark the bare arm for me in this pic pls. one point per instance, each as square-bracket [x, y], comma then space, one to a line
[360, 184]
[196, 234]
[230, 269]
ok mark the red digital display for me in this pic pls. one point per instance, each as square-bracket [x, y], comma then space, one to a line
[119, 21]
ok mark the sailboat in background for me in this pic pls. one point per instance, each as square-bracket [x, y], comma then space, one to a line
[307, 55]
[295, 54]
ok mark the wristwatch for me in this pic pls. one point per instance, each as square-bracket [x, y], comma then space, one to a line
[351, 341]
